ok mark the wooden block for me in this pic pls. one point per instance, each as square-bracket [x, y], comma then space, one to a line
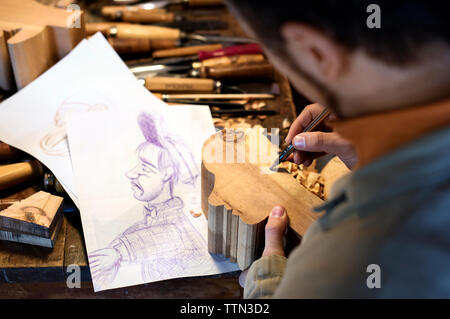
[36, 215]
[25, 238]
[26, 263]
[236, 177]
[37, 36]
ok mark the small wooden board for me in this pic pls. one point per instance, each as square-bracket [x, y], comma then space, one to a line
[33, 37]
[37, 215]
[239, 191]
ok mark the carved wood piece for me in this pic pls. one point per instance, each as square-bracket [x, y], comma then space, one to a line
[36, 36]
[236, 180]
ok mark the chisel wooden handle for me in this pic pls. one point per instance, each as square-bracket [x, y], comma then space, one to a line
[115, 12]
[8, 152]
[133, 31]
[205, 3]
[230, 60]
[13, 174]
[168, 84]
[129, 46]
[252, 48]
[185, 51]
[147, 16]
[252, 71]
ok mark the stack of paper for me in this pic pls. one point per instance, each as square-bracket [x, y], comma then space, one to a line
[130, 163]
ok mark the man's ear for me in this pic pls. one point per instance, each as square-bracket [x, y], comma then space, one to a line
[314, 51]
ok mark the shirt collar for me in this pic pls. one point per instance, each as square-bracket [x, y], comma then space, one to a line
[378, 134]
[158, 211]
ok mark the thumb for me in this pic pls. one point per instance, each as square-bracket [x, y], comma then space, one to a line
[317, 142]
[274, 232]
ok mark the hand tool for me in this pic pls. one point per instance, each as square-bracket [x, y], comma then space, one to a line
[131, 46]
[194, 53]
[13, 174]
[161, 17]
[240, 113]
[235, 96]
[311, 126]
[8, 153]
[137, 31]
[211, 103]
[150, 5]
[186, 85]
[241, 72]
[171, 84]
[186, 50]
[231, 72]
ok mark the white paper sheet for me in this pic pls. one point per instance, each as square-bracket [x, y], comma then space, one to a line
[136, 219]
[92, 95]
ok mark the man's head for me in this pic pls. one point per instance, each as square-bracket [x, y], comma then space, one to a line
[331, 55]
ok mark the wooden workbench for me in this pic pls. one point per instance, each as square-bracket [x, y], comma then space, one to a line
[31, 272]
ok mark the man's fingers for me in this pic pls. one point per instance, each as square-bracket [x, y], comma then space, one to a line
[302, 121]
[318, 142]
[274, 231]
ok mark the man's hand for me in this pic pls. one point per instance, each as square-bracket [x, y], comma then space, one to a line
[311, 145]
[274, 232]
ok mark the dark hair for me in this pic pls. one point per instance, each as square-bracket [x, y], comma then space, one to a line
[405, 25]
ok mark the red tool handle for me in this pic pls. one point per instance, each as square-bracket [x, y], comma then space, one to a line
[252, 48]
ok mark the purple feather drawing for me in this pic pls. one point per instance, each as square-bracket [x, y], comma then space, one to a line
[164, 243]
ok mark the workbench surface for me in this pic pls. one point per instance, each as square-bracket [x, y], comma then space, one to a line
[32, 272]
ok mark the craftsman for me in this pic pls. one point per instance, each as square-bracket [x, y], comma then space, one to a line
[384, 72]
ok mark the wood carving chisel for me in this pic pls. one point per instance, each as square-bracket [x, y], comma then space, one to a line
[132, 46]
[135, 14]
[232, 96]
[211, 103]
[240, 113]
[13, 174]
[234, 72]
[231, 72]
[160, 4]
[290, 149]
[138, 31]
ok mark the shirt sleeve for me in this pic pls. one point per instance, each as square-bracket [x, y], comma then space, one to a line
[264, 276]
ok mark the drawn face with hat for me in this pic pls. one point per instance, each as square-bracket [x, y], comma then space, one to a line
[162, 163]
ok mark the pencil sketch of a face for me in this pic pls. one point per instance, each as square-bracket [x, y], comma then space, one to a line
[164, 243]
[54, 143]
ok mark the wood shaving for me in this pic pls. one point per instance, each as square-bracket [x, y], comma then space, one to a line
[195, 214]
[308, 177]
[318, 183]
[286, 123]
